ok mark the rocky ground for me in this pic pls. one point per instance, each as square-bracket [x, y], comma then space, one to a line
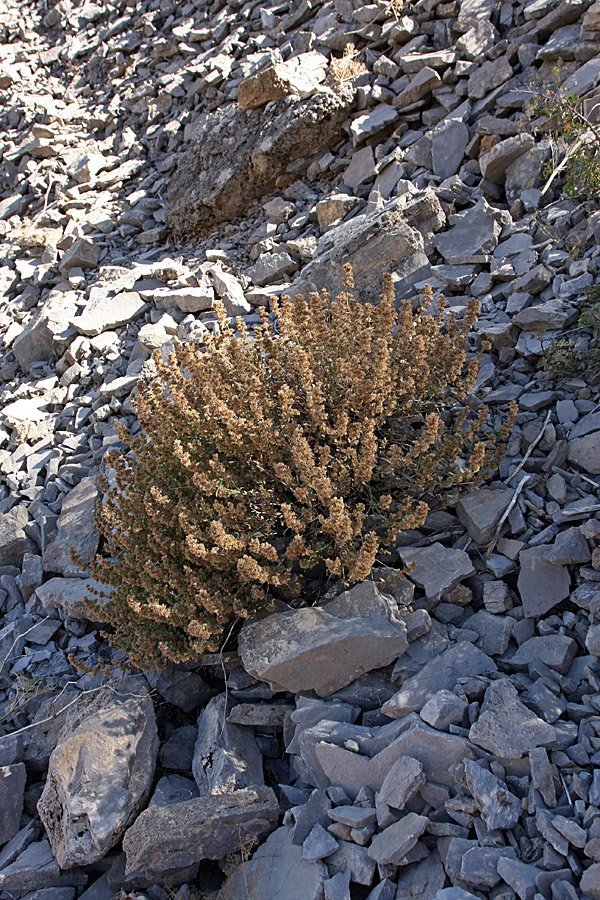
[434, 737]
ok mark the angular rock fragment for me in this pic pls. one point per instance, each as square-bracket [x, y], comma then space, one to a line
[498, 806]
[541, 584]
[99, 777]
[226, 757]
[324, 649]
[373, 243]
[473, 237]
[480, 512]
[77, 531]
[103, 312]
[164, 839]
[436, 751]
[395, 841]
[299, 75]
[12, 786]
[507, 728]
[14, 543]
[439, 674]
[436, 569]
[248, 151]
[72, 595]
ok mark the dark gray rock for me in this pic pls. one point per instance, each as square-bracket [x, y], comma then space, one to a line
[12, 787]
[480, 512]
[167, 838]
[541, 584]
[437, 569]
[14, 543]
[395, 842]
[506, 727]
[103, 764]
[76, 532]
[499, 808]
[324, 649]
[226, 757]
[555, 650]
[440, 673]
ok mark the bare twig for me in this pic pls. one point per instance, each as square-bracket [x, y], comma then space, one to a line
[17, 639]
[532, 446]
[506, 514]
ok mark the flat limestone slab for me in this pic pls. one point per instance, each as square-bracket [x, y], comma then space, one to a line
[324, 649]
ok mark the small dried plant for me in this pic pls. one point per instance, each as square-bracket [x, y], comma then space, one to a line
[346, 68]
[310, 442]
[574, 137]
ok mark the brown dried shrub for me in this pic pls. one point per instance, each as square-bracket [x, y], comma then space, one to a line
[314, 439]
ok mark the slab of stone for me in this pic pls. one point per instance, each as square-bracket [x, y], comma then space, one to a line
[541, 584]
[488, 76]
[12, 787]
[436, 751]
[392, 844]
[103, 312]
[361, 167]
[401, 783]
[173, 789]
[545, 316]
[318, 844]
[479, 866]
[475, 235]
[353, 859]
[585, 452]
[236, 155]
[72, 596]
[373, 243]
[520, 876]
[436, 569]
[495, 163]
[590, 881]
[494, 631]
[555, 650]
[83, 254]
[324, 649]
[499, 808]
[419, 86]
[506, 727]
[167, 838]
[226, 756]
[99, 778]
[421, 880]
[76, 531]
[378, 119]
[314, 812]
[338, 887]
[272, 267]
[177, 752]
[442, 709]
[441, 673]
[480, 511]
[299, 75]
[34, 868]
[14, 543]
[569, 547]
[39, 340]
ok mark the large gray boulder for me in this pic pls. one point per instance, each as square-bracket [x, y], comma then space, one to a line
[167, 839]
[100, 775]
[373, 243]
[237, 155]
[324, 649]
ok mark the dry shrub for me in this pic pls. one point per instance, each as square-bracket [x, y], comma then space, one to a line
[311, 441]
